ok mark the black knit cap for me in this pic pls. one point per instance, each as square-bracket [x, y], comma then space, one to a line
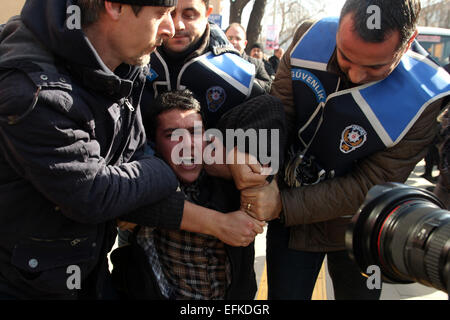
[257, 45]
[156, 3]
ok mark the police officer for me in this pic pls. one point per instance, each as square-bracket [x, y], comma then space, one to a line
[200, 58]
[361, 111]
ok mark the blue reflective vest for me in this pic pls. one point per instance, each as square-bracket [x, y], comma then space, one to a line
[340, 127]
[219, 82]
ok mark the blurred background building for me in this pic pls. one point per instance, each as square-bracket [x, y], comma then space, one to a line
[435, 14]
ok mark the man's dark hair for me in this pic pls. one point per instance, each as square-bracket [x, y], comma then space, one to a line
[91, 10]
[180, 100]
[396, 15]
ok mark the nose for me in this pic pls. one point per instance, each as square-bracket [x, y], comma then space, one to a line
[186, 139]
[357, 75]
[178, 22]
[167, 28]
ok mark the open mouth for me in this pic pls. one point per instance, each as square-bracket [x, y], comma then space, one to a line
[188, 163]
[187, 160]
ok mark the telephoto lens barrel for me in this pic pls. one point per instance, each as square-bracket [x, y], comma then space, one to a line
[405, 231]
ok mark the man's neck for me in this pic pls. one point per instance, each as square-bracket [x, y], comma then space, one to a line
[178, 56]
[101, 44]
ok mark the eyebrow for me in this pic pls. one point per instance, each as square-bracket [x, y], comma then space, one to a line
[367, 66]
[190, 9]
[170, 130]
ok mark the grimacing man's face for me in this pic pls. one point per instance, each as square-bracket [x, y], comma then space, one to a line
[169, 121]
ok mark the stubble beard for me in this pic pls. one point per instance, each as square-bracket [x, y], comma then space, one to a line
[144, 58]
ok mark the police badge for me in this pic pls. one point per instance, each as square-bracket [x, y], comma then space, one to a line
[215, 97]
[352, 138]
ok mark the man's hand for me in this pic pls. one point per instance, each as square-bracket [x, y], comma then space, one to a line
[263, 202]
[238, 229]
[235, 229]
[245, 170]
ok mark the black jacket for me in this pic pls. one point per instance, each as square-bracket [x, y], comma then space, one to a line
[71, 156]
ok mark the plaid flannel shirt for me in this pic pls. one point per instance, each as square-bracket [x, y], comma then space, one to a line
[187, 265]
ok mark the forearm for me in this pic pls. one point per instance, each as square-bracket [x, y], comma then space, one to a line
[343, 195]
[234, 228]
[200, 219]
[64, 163]
[166, 213]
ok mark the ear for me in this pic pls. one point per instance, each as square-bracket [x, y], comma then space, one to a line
[113, 9]
[410, 41]
[209, 11]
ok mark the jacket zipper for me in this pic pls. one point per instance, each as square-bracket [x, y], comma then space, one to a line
[129, 105]
[73, 242]
[127, 121]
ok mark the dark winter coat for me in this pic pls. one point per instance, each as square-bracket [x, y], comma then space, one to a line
[71, 156]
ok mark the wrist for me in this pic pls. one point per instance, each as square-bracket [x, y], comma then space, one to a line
[200, 219]
[213, 222]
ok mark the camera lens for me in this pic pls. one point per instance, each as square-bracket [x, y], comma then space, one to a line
[406, 232]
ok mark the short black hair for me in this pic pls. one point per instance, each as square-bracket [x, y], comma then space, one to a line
[396, 15]
[180, 99]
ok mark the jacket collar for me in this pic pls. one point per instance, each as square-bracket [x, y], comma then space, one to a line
[117, 85]
[213, 40]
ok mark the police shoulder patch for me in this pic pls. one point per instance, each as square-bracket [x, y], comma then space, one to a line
[215, 97]
[352, 138]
